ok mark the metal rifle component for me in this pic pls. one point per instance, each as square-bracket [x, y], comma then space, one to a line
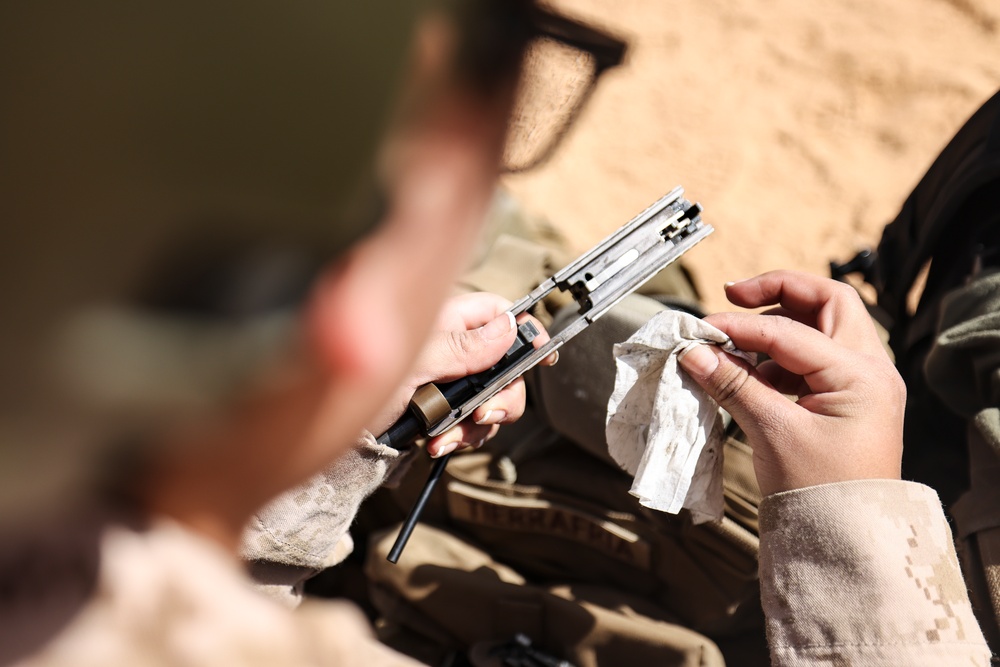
[597, 280]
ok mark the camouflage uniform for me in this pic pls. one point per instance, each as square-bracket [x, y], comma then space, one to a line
[856, 573]
[864, 573]
[305, 530]
[165, 596]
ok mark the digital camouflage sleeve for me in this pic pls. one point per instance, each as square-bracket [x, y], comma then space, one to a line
[864, 573]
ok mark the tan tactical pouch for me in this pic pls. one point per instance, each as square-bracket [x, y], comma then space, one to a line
[537, 537]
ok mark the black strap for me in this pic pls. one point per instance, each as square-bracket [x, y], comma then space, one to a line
[952, 220]
[932, 216]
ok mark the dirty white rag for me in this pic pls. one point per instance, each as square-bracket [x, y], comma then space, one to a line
[661, 426]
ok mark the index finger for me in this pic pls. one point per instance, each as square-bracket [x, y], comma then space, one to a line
[832, 307]
[797, 348]
[473, 310]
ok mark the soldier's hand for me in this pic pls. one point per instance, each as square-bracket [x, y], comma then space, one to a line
[472, 333]
[847, 423]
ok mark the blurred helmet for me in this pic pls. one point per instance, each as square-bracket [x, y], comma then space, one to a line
[128, 128]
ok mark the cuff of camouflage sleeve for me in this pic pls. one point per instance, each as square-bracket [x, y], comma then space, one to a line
[307, 527]
[856, 570]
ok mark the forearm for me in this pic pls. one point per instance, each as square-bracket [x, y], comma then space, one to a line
[864, 573]
[305, 529]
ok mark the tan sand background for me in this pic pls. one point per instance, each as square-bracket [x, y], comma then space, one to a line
[800, 125]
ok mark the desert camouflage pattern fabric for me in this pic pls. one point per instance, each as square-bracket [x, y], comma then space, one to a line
[305, 530]
[858, 573]
[864, 573]
[164, 596]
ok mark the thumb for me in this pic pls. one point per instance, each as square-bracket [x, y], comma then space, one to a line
[456, 354]
[736, 386]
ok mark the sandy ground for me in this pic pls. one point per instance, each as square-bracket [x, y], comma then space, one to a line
[800, 126]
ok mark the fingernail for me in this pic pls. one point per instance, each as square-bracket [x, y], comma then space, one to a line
[699, 360]
[499, 326]
[553, 358]
[729, 284]
[479, 444]
[493, 417]
[444, 450]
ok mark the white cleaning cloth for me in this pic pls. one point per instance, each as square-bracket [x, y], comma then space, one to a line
[662, 427]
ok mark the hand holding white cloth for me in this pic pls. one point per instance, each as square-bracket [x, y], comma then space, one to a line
[661, 426]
